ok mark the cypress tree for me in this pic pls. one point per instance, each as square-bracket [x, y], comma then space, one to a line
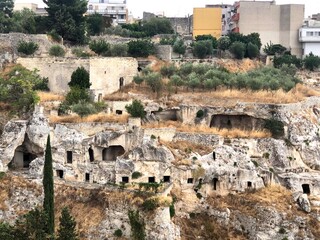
[48, 203]
[67, 227]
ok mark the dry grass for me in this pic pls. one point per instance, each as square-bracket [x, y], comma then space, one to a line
[202, 226]
[275, 196]
[223, 97]
[49, 96]
[117, 96]
[228, 133]
[100, 117]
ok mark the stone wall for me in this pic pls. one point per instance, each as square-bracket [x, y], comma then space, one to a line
[199, 138]
[11, 41]
[105, 73]
[182, 25]
[164, 52]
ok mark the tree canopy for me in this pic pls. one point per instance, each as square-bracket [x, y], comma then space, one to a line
[67, 19]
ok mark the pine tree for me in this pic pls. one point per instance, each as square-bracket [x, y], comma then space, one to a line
[67, 227]
[48, 203]
[67, 18]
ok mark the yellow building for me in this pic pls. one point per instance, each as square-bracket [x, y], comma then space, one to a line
[207, 21]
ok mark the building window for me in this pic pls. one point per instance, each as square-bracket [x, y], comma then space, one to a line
[309, 34]
[90, 7]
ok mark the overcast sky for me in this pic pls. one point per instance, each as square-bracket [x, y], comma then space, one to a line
[181, 8]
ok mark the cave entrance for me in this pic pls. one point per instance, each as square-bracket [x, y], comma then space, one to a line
[111, 153]
[249, 184]
[166, 179]
[59, 173]
[91, 155]
[121, 82]
[125, 179]
[22, 158]
[100, 97]
[244, 122]
[152, 179]
[190, 180]
[215, 182]
[118, 112]
[306, 189]
[69, 157]
[166, 115]
[87, 177]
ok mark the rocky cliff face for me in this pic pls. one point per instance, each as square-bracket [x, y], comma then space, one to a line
[232, 185]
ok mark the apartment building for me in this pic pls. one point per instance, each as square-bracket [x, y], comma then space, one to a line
[207, 21]
[116, 9]
[309, 36]
[275, 23]
[226, 13]
[32, 6]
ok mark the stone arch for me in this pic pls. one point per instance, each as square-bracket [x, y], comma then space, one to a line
[112, 152]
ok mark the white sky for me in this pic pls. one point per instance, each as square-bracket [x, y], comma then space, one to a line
[181, 8]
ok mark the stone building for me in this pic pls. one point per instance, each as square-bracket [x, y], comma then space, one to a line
[107, 75]
[275, 23]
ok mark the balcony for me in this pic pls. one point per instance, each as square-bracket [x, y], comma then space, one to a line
[108, 11]
[235, 17]
[309, 39]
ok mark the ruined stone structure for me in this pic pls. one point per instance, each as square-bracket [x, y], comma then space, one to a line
[107, 75]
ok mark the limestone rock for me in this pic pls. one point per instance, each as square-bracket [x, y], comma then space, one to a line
[304, 203]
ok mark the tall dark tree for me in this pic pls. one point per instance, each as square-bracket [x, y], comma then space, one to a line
[48, 202]
[6, 8]
[96, 23]
[67, 227]
[67, 18]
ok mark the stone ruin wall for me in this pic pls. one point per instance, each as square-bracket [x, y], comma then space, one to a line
[105, 73]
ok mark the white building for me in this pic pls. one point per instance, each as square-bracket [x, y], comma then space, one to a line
[116, 9]
[309, 36]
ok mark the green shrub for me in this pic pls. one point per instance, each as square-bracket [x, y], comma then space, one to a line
[80, 78]
[137, 225]
[83, 108]
[155, 82]
[252, 50]
[275, 127]
[136, 175]
[55, 36]
[179, 47]
[141, 48]
[119, 50]
[153, 137]
[118, 233]
[273, 49]
[238, 49]
[56, 51]
[80, 52]
[202, 49]
[2, 175]
[224, 43]
[150, 204]
[172, 210]
[76, 94]
[27, 48]
[100, 47]
[288, 60]
[192, 215]
[168, 70]
[138, 80]
[208, 37]
[136, 109]
[311, 62]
